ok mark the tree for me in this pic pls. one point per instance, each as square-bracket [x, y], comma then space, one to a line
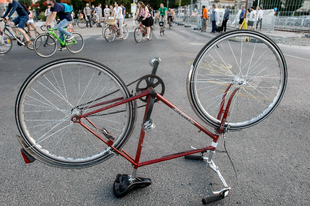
[26, 2]
[292, 5]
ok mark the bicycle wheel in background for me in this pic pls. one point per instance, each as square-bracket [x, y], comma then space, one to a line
[45, 45]
[32, 34]
[56, 92]
[109, 34]
[151, 34]
[6, 43]
[246, 60]
[125, 32]
[138, 35]
[81, 23]
[77, 43]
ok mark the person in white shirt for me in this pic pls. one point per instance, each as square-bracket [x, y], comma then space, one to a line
[30, 22]
[260, 18]
[252, 18]
[106, 12]
[118, 15]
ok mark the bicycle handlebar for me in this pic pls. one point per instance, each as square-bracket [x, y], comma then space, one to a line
[154, 63]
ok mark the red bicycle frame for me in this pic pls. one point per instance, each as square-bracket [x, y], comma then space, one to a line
[151, 93]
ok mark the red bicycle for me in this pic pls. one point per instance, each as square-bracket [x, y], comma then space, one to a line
[140, 32]
[75, 113]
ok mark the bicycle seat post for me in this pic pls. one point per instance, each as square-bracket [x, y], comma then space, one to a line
[154, 63]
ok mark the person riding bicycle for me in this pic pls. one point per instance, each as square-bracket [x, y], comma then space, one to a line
[58, 9]
[21, 20]
[163, 13]
[170, 16]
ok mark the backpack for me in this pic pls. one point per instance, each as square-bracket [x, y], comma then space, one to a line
[68, 8]
[25, 8]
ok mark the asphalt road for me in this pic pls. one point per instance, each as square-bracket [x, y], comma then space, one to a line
[271, 158]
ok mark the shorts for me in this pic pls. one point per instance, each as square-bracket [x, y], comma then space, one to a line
[241, 21]
[21, 21]
[147, 22]
[250, 23]
[98, 16]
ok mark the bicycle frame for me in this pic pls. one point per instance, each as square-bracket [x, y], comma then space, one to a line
[151, 95]
[12, 34]
[51, 31]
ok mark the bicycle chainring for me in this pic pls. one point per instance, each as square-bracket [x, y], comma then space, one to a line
[145, 82]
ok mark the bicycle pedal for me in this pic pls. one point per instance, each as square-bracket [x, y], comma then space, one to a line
[148, 125]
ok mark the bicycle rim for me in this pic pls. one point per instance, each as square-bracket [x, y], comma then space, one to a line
[62, 88]
[78, 43]
[246, 60]
[32, 34]
[81, 23]
[5, 43]
[125, 32]
[45, 45]
[138, 35]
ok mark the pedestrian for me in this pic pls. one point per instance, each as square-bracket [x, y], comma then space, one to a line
[252, 18]
[226, 17]
[87, 14]
[118, 16]
[30, 22]
[98, 13]
[213, 19]
[260, 18]
[242, 16]
[204, 18]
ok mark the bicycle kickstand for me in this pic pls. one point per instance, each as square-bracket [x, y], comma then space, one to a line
[217, 195]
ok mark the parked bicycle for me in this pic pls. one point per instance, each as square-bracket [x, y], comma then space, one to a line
[45, 44]
[76, 113]
[111, 31]
[7, 37]
[141, 32]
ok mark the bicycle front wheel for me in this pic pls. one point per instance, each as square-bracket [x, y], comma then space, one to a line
[109, 34]
[56, 92]
[138, 35]
[125, 32]
[6, 43]
[77, 43]
[81, 23]
[45, 45]
[245, 60]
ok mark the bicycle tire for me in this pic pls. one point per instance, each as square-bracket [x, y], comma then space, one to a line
[32, 34]
[151, 35]
[138, 35]
[109, 34]
[81, 23]
[125, 32]
[53, 94]
[79, 43]
[45, 45]
[219, 64]
[6, 43]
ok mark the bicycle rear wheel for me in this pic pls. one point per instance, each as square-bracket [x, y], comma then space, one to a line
[138, 35]
[125, 32]
[61, 89]
[109, 34]
[32, 36]
[77, 43]
[45, 45]
[247, 60]
[6, 43]
[81, 23]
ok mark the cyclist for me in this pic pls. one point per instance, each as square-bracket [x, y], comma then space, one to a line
[65, 18]
[119, 16]
[31, 23]
[21, 20]
[170, 16]
[163, 13]
[146, 18]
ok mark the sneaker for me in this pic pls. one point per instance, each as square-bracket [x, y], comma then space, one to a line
[69, 38]
[62, 48]
[27, 43]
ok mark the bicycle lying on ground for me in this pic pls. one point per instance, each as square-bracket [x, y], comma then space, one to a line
[7, 37]
[75, 113]
[140, 32]
[45, 44]
[111, 31]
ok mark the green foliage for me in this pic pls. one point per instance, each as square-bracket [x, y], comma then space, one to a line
[27, 2]
[42, 16]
